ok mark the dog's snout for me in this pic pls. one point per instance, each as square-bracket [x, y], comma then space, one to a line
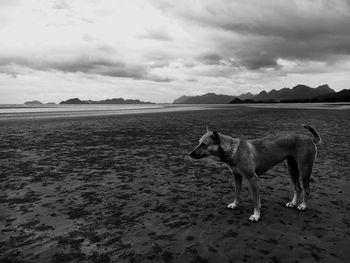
[192, 154]
[195, 155]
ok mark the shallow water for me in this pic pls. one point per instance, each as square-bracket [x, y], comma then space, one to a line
[10, 112]
[20, 111]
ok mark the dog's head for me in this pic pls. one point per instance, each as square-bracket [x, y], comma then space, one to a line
[208, 145]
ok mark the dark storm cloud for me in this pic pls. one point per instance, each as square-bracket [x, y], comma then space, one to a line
[83, 64]
[257, 61]
[214, 59]
[210, 59]
[258, 33]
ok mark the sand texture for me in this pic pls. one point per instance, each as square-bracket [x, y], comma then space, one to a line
[123, 189]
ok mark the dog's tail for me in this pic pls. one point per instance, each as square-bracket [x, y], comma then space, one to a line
[317, 138]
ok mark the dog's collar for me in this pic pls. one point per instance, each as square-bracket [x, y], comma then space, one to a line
[233, 149]
[227, 156]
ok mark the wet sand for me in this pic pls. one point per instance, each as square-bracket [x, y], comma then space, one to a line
[122, 189]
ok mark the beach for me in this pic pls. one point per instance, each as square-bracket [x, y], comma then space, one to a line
[122, 188]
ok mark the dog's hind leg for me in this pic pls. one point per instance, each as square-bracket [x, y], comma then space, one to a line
[305, 168]
[293, 171]
[305, 172]
[238, 187]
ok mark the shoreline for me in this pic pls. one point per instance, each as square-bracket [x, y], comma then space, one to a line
[8, 113]
[93, 113]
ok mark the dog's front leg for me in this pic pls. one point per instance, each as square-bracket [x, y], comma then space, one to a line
[253, 183]
[238, 187]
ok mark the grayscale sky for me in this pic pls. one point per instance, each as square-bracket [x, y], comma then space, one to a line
[158, 50]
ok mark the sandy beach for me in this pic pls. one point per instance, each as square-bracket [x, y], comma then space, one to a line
[122, 188]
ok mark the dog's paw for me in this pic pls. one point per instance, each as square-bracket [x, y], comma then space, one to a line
[302, 207]
[254, 218]
[290, 204]
[232, 205]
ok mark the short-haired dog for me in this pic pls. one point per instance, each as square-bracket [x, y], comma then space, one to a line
[250, 158]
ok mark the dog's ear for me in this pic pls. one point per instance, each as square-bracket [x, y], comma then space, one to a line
[216, 136]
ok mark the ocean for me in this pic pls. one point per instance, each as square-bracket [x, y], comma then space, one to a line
[21, 111]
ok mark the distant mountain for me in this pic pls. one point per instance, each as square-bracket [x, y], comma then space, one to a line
[209, 98]
[246, 96]
[182, 99]
[118, 101]
[272, 95]
[237, 101]
[340, 96]
[212, 97]
[34, 102]
[107, 101]
[73, 101]
[51, 103]
[298, 92]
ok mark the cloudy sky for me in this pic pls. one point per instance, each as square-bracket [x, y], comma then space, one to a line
[158, 50]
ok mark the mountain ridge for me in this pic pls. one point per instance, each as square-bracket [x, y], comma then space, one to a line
[106, 101]
[298, 92]
[33, 102]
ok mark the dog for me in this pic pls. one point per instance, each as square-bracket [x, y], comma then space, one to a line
[250, 158]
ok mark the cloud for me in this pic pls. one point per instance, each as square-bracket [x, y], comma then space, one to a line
[156, 34]
[258, 33]
[82, 64]
[6, 9]
[255, 61]
[211, 59]
[61, 5]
